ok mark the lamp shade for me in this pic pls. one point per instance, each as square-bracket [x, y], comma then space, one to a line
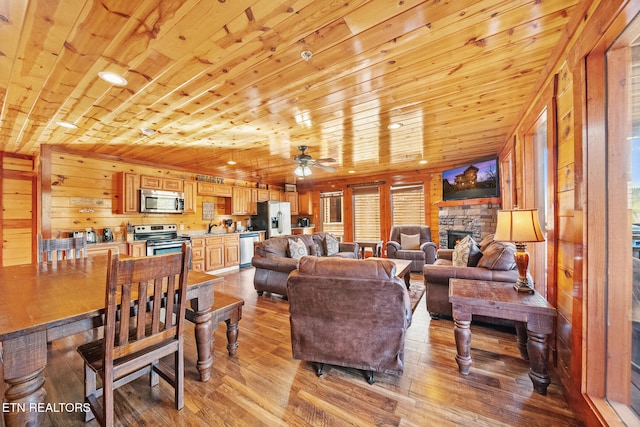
[302, 170]
[518, 225]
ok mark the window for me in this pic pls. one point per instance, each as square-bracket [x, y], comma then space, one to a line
[407, 204]
[366, 213]
[331, 208]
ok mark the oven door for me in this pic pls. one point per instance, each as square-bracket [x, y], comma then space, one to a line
[164, 248]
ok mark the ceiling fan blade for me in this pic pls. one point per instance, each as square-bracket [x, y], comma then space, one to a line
[326, 160]
[324, 168]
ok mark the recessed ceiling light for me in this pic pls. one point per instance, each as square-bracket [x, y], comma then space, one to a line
[67, 125]
[147, 131]
[306, 55]
[423, 162]
[113, 78]
[352, 171]
[394, 126]
[231, 162]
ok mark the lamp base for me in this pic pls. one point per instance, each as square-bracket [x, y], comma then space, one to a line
[523, 285]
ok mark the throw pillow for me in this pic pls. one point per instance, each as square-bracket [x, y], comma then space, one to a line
[297, 248]
[331, 245]
[498, 256]
[485, 242]
[409, 241]
[462, 252]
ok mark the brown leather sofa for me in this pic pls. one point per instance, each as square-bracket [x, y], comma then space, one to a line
[273, 262]
[423, 253]
[349, 313]
[502, 268]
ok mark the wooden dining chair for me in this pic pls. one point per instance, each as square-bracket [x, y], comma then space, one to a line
[59, 249]
[135, 338]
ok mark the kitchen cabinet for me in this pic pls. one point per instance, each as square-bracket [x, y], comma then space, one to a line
[303, 230]
[128, 189]
[215, 252]
[137, 249]
[292, 198]
[231, 250]
[189, 196]
[197, 254]
[263, 195]
[102, 249]
[241, 201]
[305, 204]
[275, 195]
[158, 183]
[216, 190]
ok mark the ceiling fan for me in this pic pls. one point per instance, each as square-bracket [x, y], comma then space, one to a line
[305, 162]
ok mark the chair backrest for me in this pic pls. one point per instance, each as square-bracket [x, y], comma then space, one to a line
[59, 249]
[145, 302]
[423, 230]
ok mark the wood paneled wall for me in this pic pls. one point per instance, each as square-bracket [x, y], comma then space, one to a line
[18, 207]
[83, 194]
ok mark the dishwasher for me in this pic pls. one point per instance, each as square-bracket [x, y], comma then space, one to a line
[246, 247]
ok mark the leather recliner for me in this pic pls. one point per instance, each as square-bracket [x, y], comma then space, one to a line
[349, 313]
[425, 254]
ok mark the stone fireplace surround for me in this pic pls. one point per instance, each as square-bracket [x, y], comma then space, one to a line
[478, 219]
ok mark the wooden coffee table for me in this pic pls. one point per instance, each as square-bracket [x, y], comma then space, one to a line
[532, 313]
[403, 268]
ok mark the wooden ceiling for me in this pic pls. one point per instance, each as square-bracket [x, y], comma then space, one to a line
[220, 80]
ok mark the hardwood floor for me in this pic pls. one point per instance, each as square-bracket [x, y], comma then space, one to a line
[263, 386]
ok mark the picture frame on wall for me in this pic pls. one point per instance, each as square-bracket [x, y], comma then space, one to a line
[475, 180]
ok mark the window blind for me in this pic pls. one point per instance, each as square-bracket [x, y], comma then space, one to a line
[366, 212]
[407, 204]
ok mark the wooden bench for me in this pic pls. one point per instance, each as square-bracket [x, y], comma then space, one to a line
[228, 309]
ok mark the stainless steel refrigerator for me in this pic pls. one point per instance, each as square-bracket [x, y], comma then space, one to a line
[274, 218]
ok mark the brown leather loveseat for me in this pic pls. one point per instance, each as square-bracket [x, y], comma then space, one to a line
[349, 313]
[273, 259]
[491, 261]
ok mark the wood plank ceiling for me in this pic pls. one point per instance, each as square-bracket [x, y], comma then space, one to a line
[220, 80]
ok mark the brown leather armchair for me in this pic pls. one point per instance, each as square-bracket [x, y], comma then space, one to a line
[349, 313]
[425, 251]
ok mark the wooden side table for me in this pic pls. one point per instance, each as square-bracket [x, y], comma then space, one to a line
[531, 312]
[375, 245]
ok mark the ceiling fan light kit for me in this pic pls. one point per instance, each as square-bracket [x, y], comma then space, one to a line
[302, 170]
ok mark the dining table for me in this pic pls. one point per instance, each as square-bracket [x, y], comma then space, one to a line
[43, 302]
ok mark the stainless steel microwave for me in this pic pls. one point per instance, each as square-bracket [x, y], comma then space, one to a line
[157, 201]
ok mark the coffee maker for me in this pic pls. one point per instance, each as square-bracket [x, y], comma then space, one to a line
[303, 222]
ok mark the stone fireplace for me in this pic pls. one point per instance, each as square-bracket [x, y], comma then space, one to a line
[478, 220]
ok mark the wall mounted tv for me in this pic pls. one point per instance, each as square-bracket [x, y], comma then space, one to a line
[476, 180]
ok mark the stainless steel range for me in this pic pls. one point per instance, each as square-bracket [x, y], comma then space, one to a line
[161, 238]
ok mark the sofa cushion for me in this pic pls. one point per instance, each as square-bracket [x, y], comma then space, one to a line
[345, 267]
[331, 245]
[297, 248]
[498, 256]
[409, 241]
[463, 251]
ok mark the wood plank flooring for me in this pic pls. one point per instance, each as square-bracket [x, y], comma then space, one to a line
[263, 386]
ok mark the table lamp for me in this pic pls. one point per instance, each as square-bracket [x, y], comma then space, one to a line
[520, 226]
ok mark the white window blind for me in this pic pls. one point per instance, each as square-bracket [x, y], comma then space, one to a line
[366, 213]
[407, 204]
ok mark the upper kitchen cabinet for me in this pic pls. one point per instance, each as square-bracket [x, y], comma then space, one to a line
[216, 190]
[128, 188]
[263, 195]
[189, 197]
[241, 201]
[158, 183]
[275, 195]
[292, 198]
[305, 203]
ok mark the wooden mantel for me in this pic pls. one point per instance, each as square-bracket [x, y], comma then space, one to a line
[464, 202]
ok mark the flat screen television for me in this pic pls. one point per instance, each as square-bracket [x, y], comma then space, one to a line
[476, 180]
